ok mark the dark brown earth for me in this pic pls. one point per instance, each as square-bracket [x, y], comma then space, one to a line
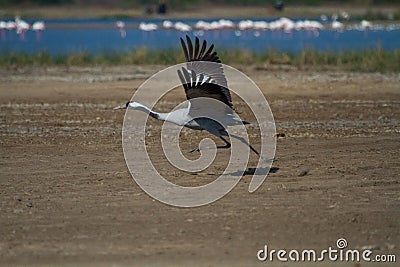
[68, 199]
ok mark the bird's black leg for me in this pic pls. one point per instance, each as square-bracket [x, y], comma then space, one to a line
[241, 139]
[227, 145]
[197, 149]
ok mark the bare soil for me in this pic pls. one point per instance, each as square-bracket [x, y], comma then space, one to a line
[68, 199]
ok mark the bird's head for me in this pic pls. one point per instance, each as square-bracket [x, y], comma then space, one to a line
[124, 106]
[130, 105]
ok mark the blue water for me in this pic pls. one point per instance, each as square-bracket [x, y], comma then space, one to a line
[63, 39]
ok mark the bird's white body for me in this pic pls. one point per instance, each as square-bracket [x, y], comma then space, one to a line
[313, 25]
[10, 25]
[148, 26]
[261, 25]
[365, 25]
[183, 27]
[337, 25]
[21, 25]
[38, 26]
[215, 25]
[245, 24]
[183, 117]
[120, 24]
[167, 24]
[287, 25]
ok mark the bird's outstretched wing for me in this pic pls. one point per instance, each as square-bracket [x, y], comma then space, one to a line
[200, 85]
[202, 78]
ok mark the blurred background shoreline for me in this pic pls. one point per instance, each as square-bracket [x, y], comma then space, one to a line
[53, 9]
[358, 35]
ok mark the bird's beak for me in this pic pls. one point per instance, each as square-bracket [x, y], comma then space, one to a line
[119, 107]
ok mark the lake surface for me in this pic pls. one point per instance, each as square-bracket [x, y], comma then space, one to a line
[98, 36]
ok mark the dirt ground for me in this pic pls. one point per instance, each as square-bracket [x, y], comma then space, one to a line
[68, 199]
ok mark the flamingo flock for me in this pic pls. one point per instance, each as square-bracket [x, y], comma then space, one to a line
[283, 24]
[21, 27]
[167, 24]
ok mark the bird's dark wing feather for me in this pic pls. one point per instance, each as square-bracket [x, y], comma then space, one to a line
[202, 86]
[197, 58]
[196, 54]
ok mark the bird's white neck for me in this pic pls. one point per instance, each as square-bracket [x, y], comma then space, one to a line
[156, 115]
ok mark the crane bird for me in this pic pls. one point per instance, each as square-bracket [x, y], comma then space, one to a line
[201, 81]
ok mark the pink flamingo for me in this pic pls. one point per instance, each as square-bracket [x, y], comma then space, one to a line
[365, 26]
[22, 27]
[38, 27]
[3, 27]
[121, 27]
